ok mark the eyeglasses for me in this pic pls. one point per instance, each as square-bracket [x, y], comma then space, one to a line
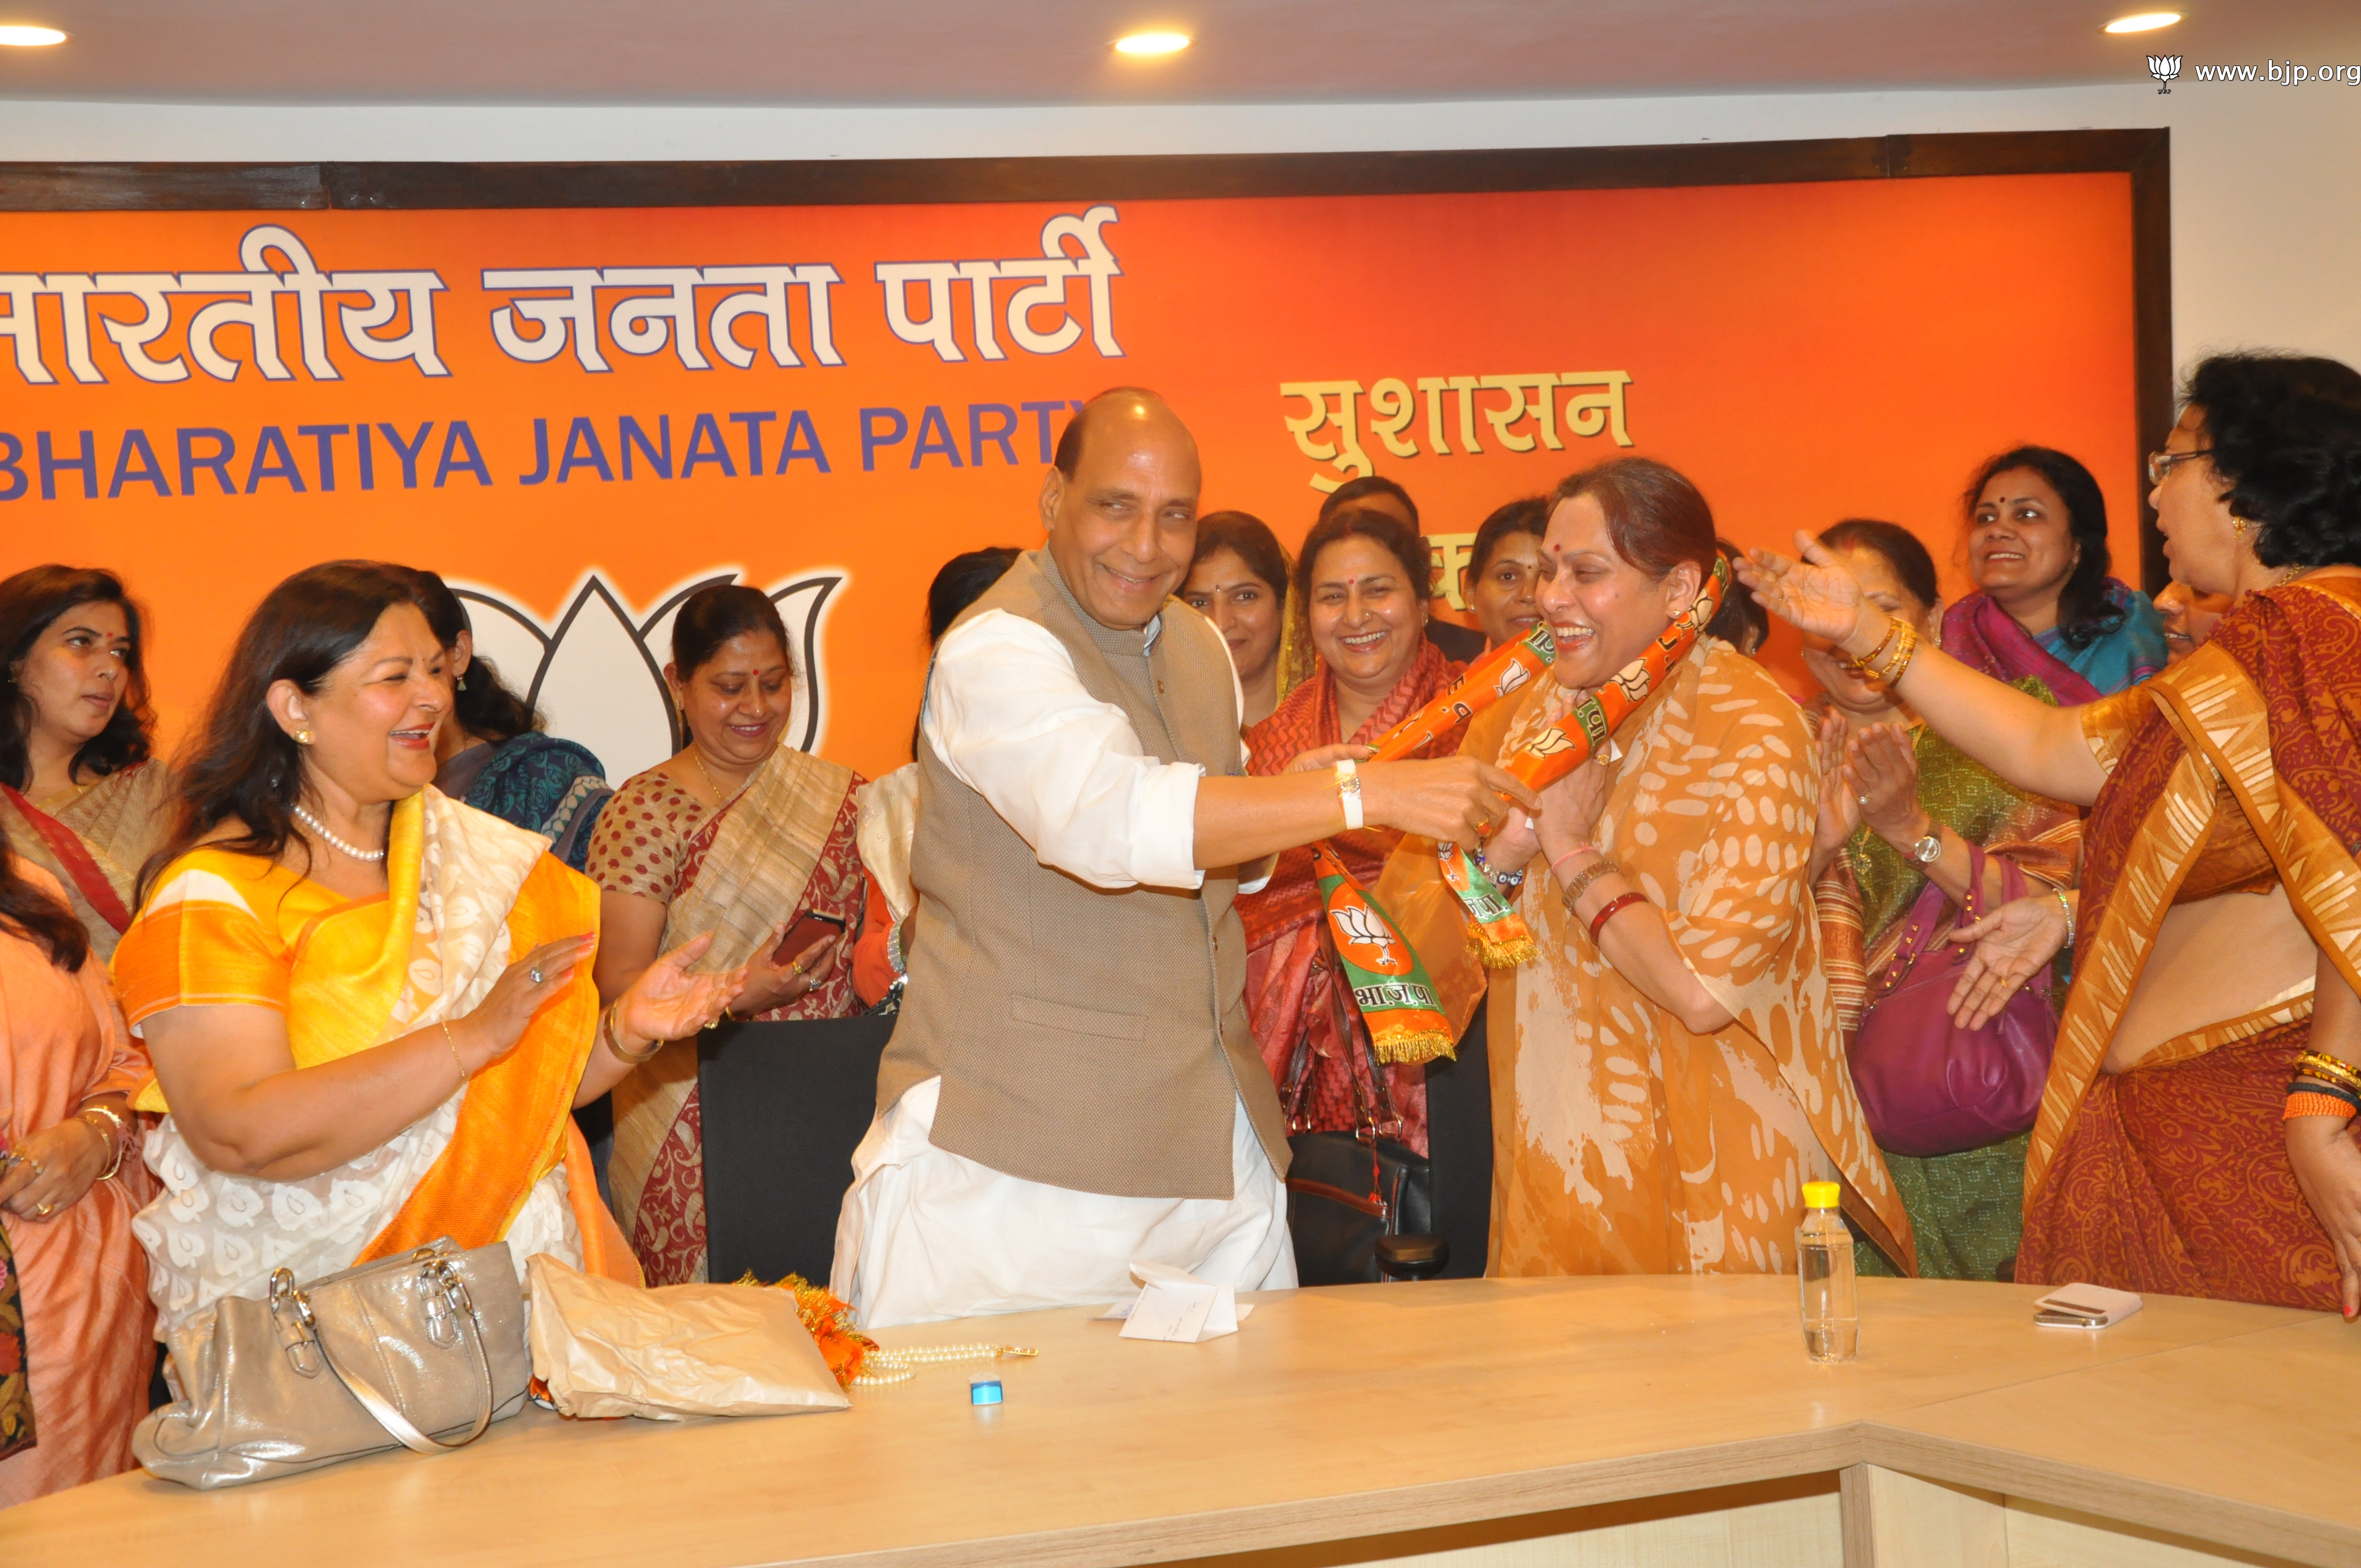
[2159, 464]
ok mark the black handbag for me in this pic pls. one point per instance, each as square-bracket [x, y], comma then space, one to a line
[1360, 1205]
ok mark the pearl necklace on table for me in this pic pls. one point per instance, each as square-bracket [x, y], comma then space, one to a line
[320, 831]
[882, 1366]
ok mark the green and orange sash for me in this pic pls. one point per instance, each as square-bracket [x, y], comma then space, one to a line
[1391, 985]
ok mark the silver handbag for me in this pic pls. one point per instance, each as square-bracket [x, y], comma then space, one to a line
[424, 1351]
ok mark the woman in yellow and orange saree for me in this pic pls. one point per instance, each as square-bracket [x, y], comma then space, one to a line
[1669, 1070]
[2195, 1138]
[369, 1007]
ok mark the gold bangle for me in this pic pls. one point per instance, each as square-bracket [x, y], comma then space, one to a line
[117, 1146]
[1591, 873]
[2330, 1069]
[1905, 648]
[453, 1041]
[1861, 666]
[610, 1027]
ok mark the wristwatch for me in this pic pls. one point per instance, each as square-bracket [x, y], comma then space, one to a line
[1929, 850]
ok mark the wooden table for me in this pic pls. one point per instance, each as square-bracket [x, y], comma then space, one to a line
[1569, 1421]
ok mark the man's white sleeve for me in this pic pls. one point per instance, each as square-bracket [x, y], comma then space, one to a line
[1009, 717]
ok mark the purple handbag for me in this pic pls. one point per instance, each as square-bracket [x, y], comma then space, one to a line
[1927, 1086]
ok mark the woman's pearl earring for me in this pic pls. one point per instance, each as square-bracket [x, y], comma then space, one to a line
[302, 737]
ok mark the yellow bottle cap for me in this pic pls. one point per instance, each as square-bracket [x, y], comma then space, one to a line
[1822, 1194]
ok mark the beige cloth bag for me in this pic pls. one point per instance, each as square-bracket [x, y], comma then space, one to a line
[606, 1349]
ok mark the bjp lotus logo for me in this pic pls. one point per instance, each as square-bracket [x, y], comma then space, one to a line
[2163, 68]
[596, 670]
[1367, 942]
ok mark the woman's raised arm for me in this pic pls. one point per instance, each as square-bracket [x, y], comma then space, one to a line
[2034, 746]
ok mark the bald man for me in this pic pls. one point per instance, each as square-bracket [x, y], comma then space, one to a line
[1071, 1085]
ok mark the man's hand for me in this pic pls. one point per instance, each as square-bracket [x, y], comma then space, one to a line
[1455, 799]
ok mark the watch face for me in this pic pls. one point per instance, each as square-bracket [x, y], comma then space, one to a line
[1929, 850]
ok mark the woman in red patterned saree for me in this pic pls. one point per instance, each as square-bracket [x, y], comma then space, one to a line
[1363, 579]
[2196, 1137]
[737, 835]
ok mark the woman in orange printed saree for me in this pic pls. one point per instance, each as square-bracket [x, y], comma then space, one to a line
[369, 1006]
[2185, 1144]
[1668, 1072]
[1363, 576]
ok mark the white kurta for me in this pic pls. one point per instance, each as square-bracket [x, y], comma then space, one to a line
[926, 1234]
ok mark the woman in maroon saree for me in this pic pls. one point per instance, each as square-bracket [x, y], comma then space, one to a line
[2187, 1144]
[737, 835]
[1363, 576]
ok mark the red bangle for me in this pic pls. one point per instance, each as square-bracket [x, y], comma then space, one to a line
[1614, 906]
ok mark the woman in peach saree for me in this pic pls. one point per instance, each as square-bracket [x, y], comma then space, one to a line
[1668, 1071]
[70, 1182]
[2185, 1144]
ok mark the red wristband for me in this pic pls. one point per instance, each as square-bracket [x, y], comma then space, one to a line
[1613, 907]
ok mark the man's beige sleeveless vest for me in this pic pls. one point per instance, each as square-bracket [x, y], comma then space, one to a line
[1086, 1039]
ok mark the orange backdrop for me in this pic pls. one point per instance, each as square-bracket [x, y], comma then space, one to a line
[1804, 352]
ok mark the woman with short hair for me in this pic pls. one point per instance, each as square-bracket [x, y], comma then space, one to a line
[1362, 579]
[740, 834]
[2045, 607]
[2197, 1134]
[369, 1006]
[492, 753]
[80, 794]
[1669, 1070]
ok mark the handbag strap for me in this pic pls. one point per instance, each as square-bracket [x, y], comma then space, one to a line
[438, 1279]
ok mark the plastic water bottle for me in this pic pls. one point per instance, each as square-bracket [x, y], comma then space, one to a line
[1824, 1267]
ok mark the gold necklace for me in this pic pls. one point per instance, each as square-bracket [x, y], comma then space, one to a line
[698, 758]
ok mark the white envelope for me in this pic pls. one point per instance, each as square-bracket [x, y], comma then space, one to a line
[1177, 1307]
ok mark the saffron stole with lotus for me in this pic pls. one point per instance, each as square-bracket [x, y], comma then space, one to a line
[1389, 982]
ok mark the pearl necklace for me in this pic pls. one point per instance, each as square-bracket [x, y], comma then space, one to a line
[883, 1366]
[320, 830]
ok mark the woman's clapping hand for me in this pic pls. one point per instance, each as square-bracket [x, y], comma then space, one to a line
[667, 1002]
[1881, 772]
[1839, 812]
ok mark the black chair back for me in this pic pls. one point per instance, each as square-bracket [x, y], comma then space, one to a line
[1459, 1150]
[784, 1106]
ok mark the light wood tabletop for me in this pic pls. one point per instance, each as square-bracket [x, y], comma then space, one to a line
[1338, 1414]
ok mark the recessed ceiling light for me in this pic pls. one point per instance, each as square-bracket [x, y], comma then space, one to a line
[1152, 43]
[30, 38]
[2143, 22]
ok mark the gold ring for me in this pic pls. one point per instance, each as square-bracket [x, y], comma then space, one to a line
[42, 1210]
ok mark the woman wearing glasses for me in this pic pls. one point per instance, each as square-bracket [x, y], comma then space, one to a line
[2045, 608]
[2196, 1137]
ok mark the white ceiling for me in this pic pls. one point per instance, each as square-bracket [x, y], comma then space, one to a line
[1055, 51]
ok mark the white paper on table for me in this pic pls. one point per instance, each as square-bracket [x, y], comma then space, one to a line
[1177, 1307]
